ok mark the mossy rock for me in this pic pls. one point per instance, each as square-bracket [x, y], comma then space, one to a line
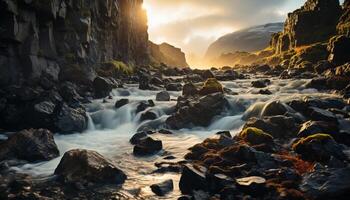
[114, 68]
[255, 136]
[321, 137]
[210, 86]
[319, 147]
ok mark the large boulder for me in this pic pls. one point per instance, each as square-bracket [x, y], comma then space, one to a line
[163, 96]
[339, 46]
[87, 166]
[162, 188]
[68, 120]
[189, 89]
[255, 136]
[198, 111]
[211, 86]
[318, 147]
[102, 87]
[147, 146]
[279, 126]
[31, 145]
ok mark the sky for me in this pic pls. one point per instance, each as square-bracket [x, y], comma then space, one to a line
[193, 25]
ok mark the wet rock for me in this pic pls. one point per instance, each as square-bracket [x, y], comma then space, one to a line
[337, 47]
[255, 136]
[31, 145]
[138, 137]
[102, 87]
[173, 87]
[87, 166]
[199, 111]
[313, 127]
[327, 183]
[144, 81]
[163, 188]
[163, 96]
[149, 115]
[193, 179]
[120, 103]
[147, 146]
[211, 86]
[319, 114]
[318, 147]
[279, 126]
[265, 92]
[70, 120]
[144, 105]
[261, 83]
[189, 89]
[69, 93]
[156, 81]
[165, 132]
[274, 108]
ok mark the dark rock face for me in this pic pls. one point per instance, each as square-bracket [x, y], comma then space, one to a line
[31, 145]
[338, 47]
[88, 166]
[316, 16]
[60, 37]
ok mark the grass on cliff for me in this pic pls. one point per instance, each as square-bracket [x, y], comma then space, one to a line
[115, 68]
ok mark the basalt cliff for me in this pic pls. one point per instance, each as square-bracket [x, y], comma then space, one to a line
[63, 39]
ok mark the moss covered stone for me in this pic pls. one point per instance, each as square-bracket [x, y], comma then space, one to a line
[210, 86]
[320, 137]
[318, 147]
[255, 136]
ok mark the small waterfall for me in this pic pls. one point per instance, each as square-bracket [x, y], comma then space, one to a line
[91, 125]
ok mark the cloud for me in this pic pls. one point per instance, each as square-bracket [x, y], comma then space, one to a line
[194, 24]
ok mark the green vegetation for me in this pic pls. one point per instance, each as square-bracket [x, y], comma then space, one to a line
[255, 136]
[316, 137]
[115, 68]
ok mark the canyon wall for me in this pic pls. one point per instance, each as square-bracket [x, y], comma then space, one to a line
[168, 55]
[66, 39]
[316, 21]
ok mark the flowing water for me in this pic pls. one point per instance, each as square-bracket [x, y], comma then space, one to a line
[110, 130]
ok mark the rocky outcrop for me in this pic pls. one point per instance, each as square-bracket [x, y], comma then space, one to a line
[65, 39]
[32, 145]
[168, 55]
[87, 166]
[316, 16]
[343, 26]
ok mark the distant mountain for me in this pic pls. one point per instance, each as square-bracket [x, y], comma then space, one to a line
[251, 39]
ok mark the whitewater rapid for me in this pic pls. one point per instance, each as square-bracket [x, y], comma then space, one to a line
[110, 129]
